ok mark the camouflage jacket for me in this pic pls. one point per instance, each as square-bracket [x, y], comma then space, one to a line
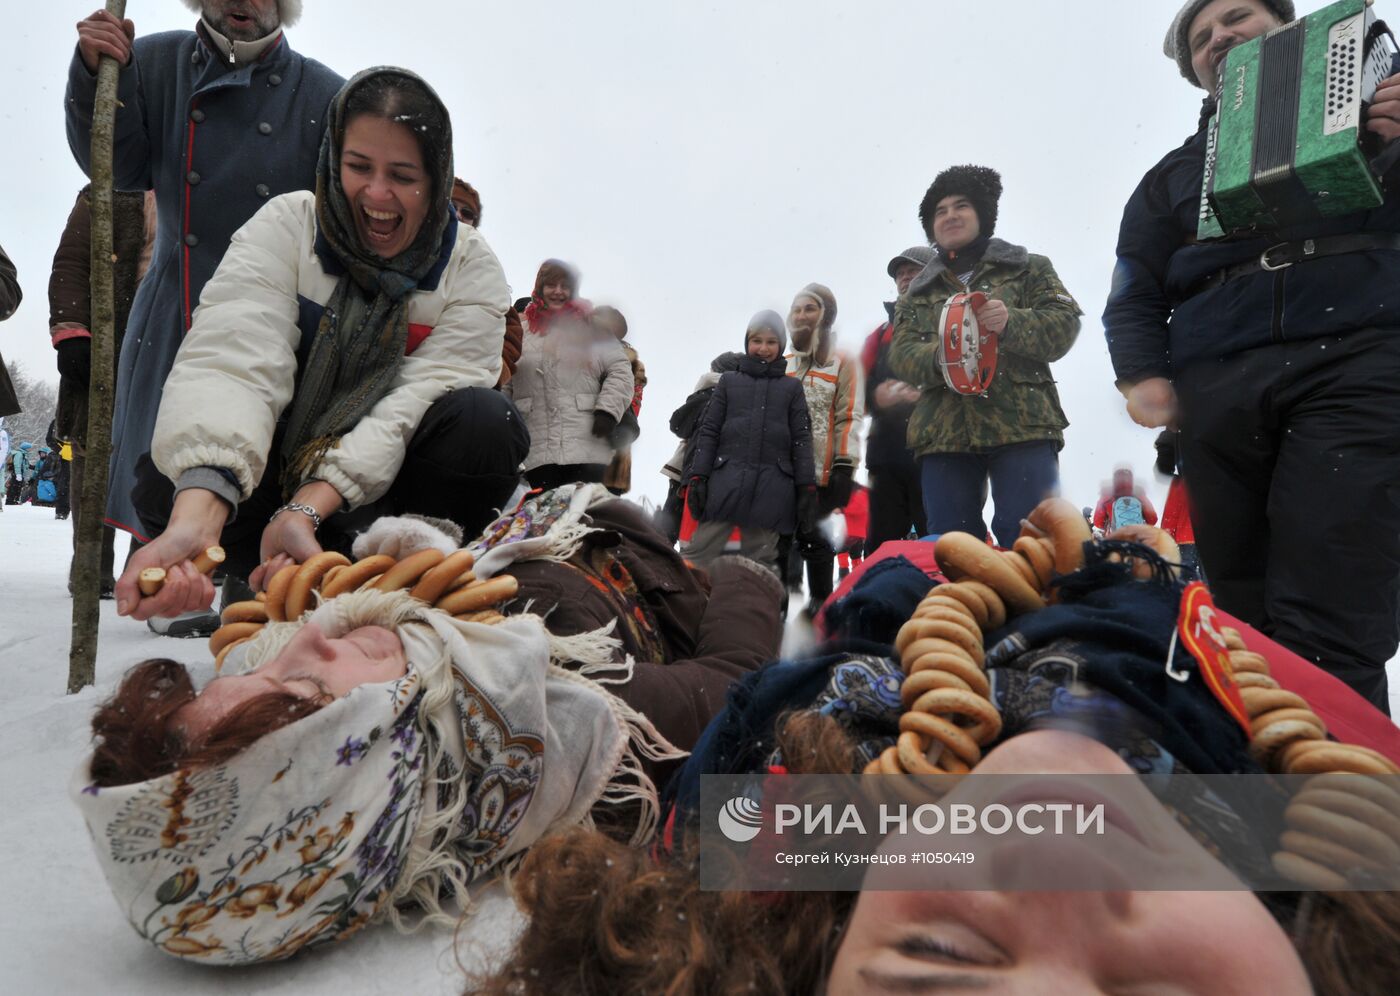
[1022, 404]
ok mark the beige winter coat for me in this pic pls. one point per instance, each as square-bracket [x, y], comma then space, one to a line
[236, 369]
[835, 393]
[563, 377]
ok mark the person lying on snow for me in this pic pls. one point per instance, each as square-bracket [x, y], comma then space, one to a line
[378, 753]
[1080, 688]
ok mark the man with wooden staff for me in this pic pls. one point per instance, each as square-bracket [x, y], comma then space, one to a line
[216, 121]
[1276, 351]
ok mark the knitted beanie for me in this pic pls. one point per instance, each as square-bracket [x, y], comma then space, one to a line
[770, 321]
[918, 255]
[979, 184]
[1177, 47]
[288, 11]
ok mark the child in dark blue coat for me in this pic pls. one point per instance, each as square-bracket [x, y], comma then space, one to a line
[753, 466]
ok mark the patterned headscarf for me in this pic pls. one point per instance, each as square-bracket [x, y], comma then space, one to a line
[359, 344]
[406, 791]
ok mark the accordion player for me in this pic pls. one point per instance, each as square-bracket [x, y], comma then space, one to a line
[1288, 143]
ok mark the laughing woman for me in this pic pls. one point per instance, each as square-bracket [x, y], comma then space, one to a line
[340, 364]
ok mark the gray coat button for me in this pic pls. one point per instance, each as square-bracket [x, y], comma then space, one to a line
[265, 128]
[275, 80]
[263, 190]
[192, 178]
[191, 239]
[197, 116]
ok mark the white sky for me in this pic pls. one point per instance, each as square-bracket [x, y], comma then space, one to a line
[700, 161]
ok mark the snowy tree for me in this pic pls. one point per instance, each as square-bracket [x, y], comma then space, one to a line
[38, 400]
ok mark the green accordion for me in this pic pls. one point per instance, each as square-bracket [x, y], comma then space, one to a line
[1287, 144]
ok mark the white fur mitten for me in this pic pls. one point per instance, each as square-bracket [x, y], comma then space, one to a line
[401, 535]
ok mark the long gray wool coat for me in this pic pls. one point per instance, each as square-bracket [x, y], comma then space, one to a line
[215, 143]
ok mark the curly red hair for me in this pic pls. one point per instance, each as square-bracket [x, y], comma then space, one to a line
[139, 739]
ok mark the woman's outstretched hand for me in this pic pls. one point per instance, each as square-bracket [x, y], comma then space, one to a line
[290, 538]
[195, 523]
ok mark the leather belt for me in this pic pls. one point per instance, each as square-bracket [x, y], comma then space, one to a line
[1286, 254]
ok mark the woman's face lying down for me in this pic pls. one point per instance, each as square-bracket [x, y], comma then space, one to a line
[1049, 943]
[311, 666]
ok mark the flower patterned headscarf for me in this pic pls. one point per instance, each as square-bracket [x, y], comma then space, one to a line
[407, 790]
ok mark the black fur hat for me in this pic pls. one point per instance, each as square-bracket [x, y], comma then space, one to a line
[979, 184]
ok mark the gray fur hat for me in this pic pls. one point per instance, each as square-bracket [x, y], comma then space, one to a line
[918, 255]
[1176, 46]
[288, 11]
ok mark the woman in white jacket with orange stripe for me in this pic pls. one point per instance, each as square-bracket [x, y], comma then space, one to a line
[340, 364]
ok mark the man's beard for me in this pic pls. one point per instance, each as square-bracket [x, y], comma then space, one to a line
[264, 24]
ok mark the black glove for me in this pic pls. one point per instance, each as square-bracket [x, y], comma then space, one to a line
[839, 485]
[697, 494]
[75, 359]
[603, 424]
[807, 508]
[1166, 453]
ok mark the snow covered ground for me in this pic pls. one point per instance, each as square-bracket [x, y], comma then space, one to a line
[63, 932]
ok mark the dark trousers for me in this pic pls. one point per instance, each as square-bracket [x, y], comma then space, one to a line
[548, 476]
[1022, 475]
[109, 535]
[1291, 454]
[896, 504]
[462, 464]
[813, 549]
[61, 481]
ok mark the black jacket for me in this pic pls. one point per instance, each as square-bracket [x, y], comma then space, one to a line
[888, 445]
[1154, 329]
[755, 445]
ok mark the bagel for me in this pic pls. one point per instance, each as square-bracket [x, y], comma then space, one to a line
[352, 577]
[211, 558]
[949, 734]
[479, 594]
[926, 681]
[151, 580]
[486, 617]
[1329, 853]
[1315, 756]
[959, 633]
[1067, 530]
[1023, 567]
[1262, 700]
[277, 592]
[307, 578]
[440, 578]
[991, 601]
[935, 639]
[223, 654]
[913, 754]
[1281, 734]
[408, 571]
[975, 559]
[959, 667]
[250, 611]
[1248, 661]
[940, 612]
[961, 595]
[948, 701]
[1250, 679]
[230, 632]
[1232, 638]
[1354, 805]
[1370, 843]
[1261, 722]
[330, 575]
[1308, 873]
[1374, 789]
[1040, 556]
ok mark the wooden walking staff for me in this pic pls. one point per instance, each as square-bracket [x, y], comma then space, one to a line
[87, 558]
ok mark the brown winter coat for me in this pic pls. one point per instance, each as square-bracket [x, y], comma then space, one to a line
[70, 302]
[692, 635]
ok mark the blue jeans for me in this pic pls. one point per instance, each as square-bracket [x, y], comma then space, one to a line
[955, 487]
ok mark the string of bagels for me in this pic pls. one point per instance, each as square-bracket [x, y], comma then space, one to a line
[1343, 819]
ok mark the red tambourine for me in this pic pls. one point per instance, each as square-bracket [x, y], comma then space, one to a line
[968, 355]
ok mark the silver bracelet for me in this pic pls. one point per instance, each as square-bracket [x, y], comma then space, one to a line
[292, 506]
